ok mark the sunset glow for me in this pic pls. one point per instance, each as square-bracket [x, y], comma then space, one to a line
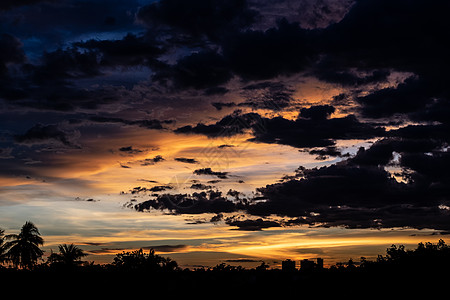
[225, 131]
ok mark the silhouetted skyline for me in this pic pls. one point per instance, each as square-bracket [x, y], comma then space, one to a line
[238, 130]
[22, 252]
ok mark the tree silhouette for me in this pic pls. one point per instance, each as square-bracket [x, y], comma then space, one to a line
[69, 256]
[24, 248]
[3, 256]
[262, 267]
[139, 261]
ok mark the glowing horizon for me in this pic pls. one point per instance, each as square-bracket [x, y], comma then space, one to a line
[240, 130]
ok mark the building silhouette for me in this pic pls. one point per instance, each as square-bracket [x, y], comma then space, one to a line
[309, 265]
[305, 265]
[288, 265]
[319, 264]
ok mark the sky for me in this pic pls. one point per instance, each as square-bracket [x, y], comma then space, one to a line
[234, 131]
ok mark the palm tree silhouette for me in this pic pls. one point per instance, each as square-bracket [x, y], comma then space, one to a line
[3, 256]
[69, 255]
[24, 248]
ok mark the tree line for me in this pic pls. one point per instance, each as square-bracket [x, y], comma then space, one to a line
[22, 251]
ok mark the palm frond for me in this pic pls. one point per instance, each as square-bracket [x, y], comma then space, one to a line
[24, 248]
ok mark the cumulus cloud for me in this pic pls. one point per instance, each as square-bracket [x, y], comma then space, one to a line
[251, 225]
[151, 161]
[313, 128]
[208, 171]
[197, 203]
[358, 192]
[43, 134]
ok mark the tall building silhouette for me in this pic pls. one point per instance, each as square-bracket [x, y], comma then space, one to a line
[309, 265]
[319, 264]
[288, 265]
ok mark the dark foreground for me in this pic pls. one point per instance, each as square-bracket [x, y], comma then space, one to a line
[101, 283]
[422, 272]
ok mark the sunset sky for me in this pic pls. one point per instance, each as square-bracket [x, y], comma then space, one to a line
[234, 131]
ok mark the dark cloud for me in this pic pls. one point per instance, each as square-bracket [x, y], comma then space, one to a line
[49, 76]
[214, 181]
[149, 124]
[267, 95]
[408, 97]
[283, 50]
[317, 112]
[214, 46]
[313, 132]
[359, 193]
[49, 85]
[252, 55]
[151, 161]
[11, 52]
[220, 105]
[217, 218]
[200, 186]
[368, 34]
[346, 185]
[9, 4]
[382, 151]
[380, 154]
[430, 169]
[105, 250]
[352, 52]
[216, 90]
[208, 171]
[225, 146]
[199, 70]
[367, 39]
[156, 188]
[324, 153]
[347, 77]
[197, 203]
[242, 260]
[87, 200]
[130, 150]
[199, 17]
[310, 13]
[132, 50]
[160, 188]
[56, 96]
[66, 64]
[43, 134]
[138, 189]
[432, 134]
[186, 160]
[313, 128]
[435, 110]
[167, 248]
[230, 125]
[101, 19]
[251, 225]
[355, 197]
